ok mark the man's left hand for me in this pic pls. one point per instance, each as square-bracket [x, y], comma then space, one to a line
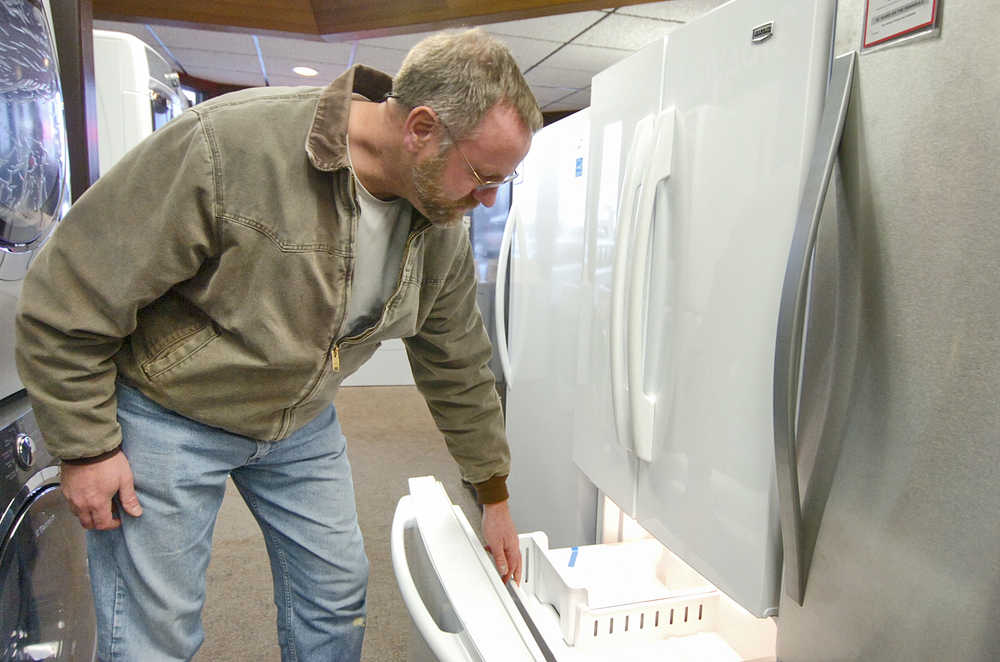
[501, 540]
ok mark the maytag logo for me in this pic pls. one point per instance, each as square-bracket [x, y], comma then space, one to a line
[763, 32]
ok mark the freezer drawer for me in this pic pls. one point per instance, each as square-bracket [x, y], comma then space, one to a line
[633, 601]
[459, 607]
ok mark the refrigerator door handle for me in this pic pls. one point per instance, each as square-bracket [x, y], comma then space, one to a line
[500, 293]
[642, 404]
[791, 322]
[635, 161]
[444, 645]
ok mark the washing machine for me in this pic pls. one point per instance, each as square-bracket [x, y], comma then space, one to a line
[46, 610]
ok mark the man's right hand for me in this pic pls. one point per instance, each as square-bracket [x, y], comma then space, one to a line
[89, 489]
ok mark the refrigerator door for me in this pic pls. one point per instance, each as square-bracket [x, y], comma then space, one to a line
[550, 198]
[450, 586]
[624, 98]
[745, 119]
[899, 418]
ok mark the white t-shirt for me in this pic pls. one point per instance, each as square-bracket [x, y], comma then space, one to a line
[382, 231]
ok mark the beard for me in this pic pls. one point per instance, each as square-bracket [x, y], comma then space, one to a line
[438, 209]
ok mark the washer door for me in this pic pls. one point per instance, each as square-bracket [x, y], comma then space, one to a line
[46, 609]
[34, 176]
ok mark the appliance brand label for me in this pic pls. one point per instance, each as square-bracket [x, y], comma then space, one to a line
[762, 32]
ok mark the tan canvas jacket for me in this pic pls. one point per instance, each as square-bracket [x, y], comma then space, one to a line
[211, 269]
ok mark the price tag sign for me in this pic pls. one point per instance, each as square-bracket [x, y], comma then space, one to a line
[888, 20]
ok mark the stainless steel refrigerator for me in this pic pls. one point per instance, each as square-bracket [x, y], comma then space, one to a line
[899, 423]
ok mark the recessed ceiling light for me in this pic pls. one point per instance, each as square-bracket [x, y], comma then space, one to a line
[305, 71]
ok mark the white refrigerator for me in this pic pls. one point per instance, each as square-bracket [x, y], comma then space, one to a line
[538, 349]
[699, 151]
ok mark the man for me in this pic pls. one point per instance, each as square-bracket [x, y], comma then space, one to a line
[196, 310]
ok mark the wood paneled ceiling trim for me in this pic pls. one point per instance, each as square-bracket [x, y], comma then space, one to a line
[337, 20]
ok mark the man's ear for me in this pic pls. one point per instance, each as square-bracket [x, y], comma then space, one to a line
[419, 128]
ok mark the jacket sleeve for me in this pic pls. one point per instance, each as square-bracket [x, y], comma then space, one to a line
[449, 357]
[146, 225]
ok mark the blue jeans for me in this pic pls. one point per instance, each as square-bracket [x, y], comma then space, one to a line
[148, 576]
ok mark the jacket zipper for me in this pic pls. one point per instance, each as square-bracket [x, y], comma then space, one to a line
[335, 350]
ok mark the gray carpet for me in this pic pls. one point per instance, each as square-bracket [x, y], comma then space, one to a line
[390, 437]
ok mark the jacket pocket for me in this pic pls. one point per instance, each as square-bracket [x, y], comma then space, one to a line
[179, 351]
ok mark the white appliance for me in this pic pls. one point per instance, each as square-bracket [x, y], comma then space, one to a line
[544, 234]
[886, 454]
[137, 93]
[701, 176]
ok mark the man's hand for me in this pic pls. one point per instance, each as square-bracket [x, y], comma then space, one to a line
[501, 540]
[89, 489]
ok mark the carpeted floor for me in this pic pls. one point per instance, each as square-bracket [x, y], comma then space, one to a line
[390, 437]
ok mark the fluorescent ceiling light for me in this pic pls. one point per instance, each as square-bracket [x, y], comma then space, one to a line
[305, 71]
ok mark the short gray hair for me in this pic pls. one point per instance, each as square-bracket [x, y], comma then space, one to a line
[462, 75]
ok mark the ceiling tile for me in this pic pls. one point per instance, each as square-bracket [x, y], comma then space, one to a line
[306, 50]
[672, 10]
[136, 30]
[528, 52]
[575, 101]
[229, 42]
[197, 58]
[547, 76]
[383, 59]
[279, 67]
[553, 28]
[402, 42]
[545, 95]
[227, 76]
[586, 58]
[625, 32]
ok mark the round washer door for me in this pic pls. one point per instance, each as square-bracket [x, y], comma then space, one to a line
[46, 609]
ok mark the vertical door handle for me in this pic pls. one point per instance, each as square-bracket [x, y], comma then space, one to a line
[642, 405]
[499, 309]
[791, 321]
[635, 161]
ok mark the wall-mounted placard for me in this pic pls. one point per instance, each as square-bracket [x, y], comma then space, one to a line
[890, 21]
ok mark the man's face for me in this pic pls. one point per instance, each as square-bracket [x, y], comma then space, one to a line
[445, 185]
[428, 178]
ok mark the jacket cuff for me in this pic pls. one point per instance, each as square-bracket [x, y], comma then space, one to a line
[97, 458]
[493, 490]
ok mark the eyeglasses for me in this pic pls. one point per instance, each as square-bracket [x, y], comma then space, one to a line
[482, 183]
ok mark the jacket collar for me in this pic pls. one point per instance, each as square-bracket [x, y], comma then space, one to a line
[326, 144]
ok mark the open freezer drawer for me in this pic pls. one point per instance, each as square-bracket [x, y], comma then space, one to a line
[576, 604]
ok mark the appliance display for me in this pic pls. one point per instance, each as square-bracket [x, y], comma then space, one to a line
[881, 369]
[544, 240]
[690, 205]
[46, 612]
[137, 93]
